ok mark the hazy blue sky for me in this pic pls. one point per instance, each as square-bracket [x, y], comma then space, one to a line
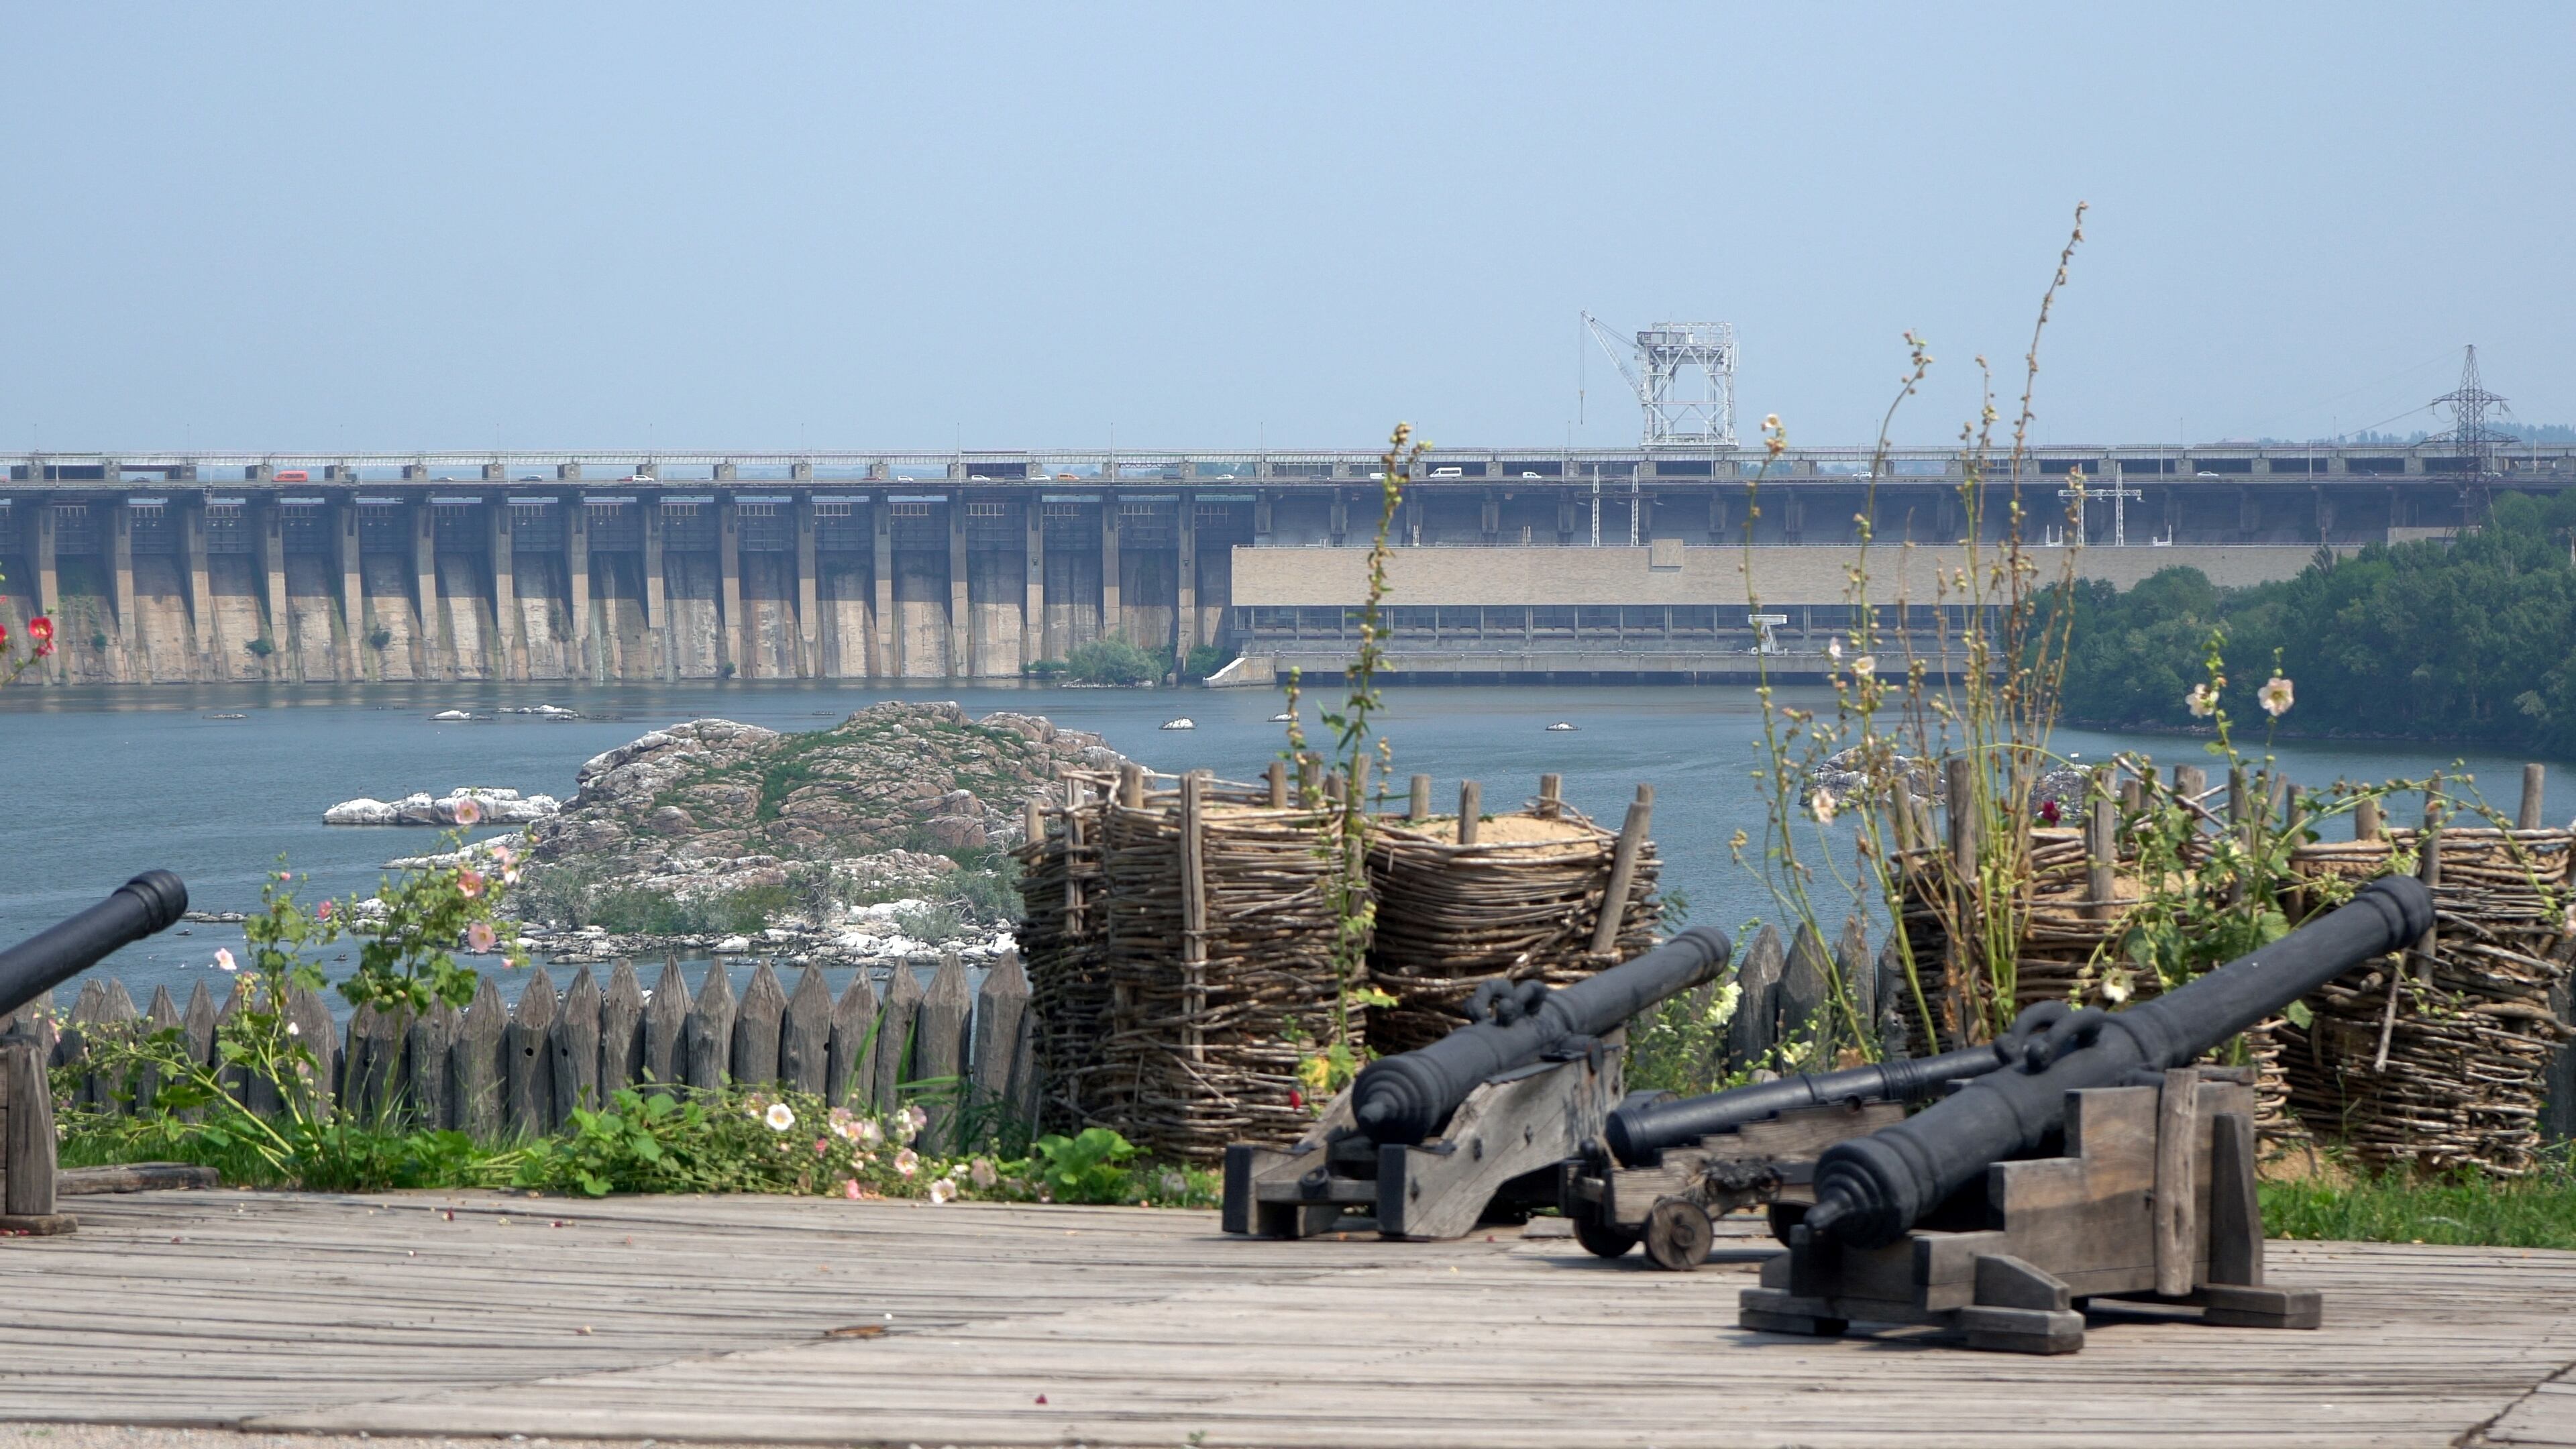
[773, 226]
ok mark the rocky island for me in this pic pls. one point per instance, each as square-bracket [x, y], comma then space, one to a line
[881, 837]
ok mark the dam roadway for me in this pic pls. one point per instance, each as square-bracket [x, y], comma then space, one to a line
[1625, 563]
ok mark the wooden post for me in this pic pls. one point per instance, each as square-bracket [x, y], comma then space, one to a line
[1333, 787]
[666, 1028]
[1032, 820]
[2101, 849]
[1131, 785]
[1750, 1033]
[1360, 781]
[1309, 767]
[162, 1015]
[1805, 986]
[805, 1034]
[428, 1047]
[1901, 818]
[1194, 914]
[2190, 782]
[1959, 786]
[1471, 808]
[1277, 775]
[575, 1049]
[1417, 805]
[756, 1024]
[2235, 1207]
[621, 1030]
[1623, 871]
[528, 1094]
[706, 1042]
[850, 1067]
[894, 1034]
[2365, 819]
[1551, 795]
[1001, 1058]
[2177, 1235]
[2428, 869]
[475, 1064]
[27, 1141]
[942, 1051]
[2528, 817]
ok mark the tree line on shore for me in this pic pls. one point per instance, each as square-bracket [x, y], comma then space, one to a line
[2472, 639]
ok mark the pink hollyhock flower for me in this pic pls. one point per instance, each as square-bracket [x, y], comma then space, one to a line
[224, 959]
[907, 1162]
[469, 883]
[850, 1188]
[480, 938]
[322, 911]
[467, 812]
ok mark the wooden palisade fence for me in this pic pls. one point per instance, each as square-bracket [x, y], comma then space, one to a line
[498, 1069]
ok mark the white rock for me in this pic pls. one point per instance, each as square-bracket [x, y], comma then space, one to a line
[733, 945]
[1183, 723]
[361, 811]
[451, 714]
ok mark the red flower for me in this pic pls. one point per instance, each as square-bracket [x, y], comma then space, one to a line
[2048, 811]
[41, 629]
[1296, 1098]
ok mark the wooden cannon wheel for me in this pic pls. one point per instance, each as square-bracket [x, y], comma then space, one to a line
[1606, 1240]
[1679, 1235]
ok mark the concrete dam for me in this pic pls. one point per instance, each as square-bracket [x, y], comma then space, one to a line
[171, 568]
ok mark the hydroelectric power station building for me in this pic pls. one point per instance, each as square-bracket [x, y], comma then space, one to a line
[1509, 563]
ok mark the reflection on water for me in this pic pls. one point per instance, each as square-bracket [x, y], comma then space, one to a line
[99, 784]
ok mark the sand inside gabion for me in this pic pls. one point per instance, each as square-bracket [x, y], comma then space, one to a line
[1522, 903]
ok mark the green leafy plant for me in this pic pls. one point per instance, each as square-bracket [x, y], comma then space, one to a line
[1085, 1168]
[261, 647]
[213, 1112]
[1351, 751]
[1113, 661]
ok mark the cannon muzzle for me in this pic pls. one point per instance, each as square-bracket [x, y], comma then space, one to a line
[1405, 1099]
[1869, 1190]
[1639, 1134]
[152, 901]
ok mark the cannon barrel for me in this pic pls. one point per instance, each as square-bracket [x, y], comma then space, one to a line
[1869, 1190]
[1404, 1099]
[1639, 1134]
[152, 901]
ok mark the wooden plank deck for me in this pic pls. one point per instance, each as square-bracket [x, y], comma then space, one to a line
[702, 1318]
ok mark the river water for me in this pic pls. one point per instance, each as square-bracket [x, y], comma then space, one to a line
[96, 785]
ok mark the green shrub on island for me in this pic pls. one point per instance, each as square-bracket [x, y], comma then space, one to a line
[1104, 661]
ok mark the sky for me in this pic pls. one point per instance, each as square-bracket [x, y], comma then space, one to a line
[840, 226]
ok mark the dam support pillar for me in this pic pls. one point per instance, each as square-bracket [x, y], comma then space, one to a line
[733, 631]
[809, 646]
[201, 605]
[585, 650]
[657, 615]
[1112, 626]
[885, 665]
[279, 625]
[505, 591]
[49, 582]
[1185, 618]
[1033, 612]
[961, 616]
[353, 590]
[127, 635]
[429, 657]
